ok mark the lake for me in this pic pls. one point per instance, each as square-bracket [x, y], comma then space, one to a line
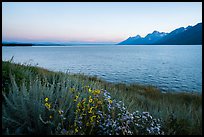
[168, 67]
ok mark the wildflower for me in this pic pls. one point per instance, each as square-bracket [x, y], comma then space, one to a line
[96, 99]
[96, 92]
[99, 102]
[110, 101]
[90, 90]
[76, 97]
[46, 99]
[92, 118]
[90, 111]
[91, 108]
[50, 117]
[48, 105]
[76, 130]
[60, 112]
[90, 100]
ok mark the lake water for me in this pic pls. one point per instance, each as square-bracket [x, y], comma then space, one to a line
[168, 67]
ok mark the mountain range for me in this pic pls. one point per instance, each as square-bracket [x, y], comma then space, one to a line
[191, 35]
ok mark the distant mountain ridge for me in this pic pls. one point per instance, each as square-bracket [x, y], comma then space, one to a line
[191, 35]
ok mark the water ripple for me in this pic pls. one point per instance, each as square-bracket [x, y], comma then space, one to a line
[176, 68]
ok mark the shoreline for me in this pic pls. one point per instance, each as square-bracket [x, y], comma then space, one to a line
[112, 82]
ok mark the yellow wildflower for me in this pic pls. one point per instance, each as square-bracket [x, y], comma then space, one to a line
[90, 110]
[96, 99]
[110, 101]
[79, 104]
[76, 130]
[76, 97]
[90, 100]
[46, 99]
[99, 102]
[60, 112]
[92, 118]
[48, 105]
[97, 92]
[90, 90]
[50, 117]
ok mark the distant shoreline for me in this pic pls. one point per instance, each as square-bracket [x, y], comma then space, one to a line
[22, 44]
[75, 45]
[30, 44]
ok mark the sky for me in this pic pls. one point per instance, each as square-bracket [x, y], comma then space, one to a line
[93, 22]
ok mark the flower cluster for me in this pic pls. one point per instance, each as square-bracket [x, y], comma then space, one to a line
[95, 112]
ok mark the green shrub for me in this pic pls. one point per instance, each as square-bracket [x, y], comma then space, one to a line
[66, 108]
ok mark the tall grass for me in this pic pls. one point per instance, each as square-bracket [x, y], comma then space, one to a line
[38, 101]
[184, 108]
